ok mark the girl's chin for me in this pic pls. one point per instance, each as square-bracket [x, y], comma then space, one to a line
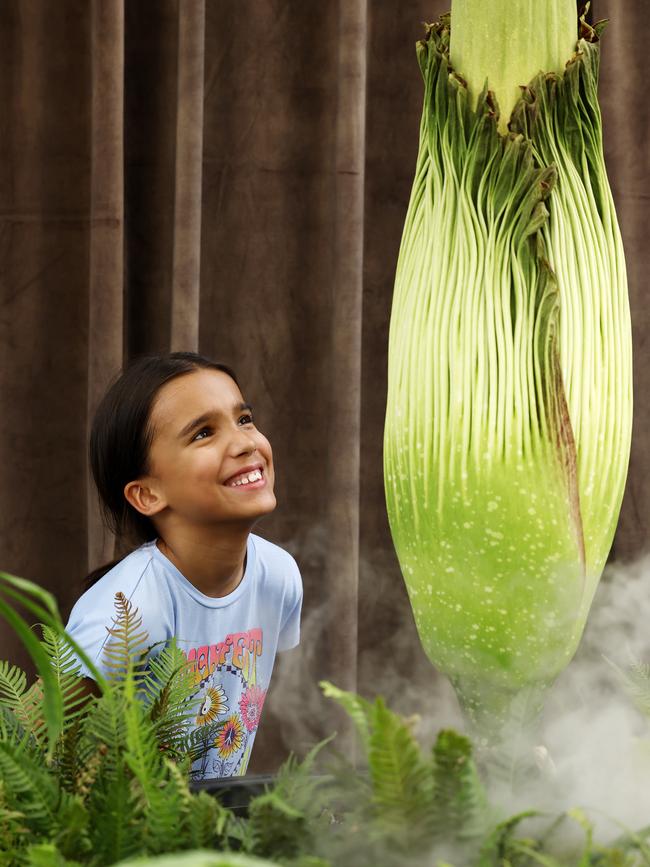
[257, 506]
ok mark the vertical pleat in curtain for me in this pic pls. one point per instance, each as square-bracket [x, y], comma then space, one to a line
[626, 129]
[106, 242]
[186, 264]
[233, 177]
[45, 253]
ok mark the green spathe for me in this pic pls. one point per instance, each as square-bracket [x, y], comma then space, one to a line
[509, 404]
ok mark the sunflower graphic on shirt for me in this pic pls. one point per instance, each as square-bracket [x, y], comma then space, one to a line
[230, 737]
[214, 703]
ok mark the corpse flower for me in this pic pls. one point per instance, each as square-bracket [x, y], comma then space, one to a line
[509, 405]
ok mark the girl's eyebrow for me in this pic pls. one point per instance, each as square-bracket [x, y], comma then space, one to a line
[202, 419]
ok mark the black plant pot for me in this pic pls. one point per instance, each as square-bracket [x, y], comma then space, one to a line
[235, 793]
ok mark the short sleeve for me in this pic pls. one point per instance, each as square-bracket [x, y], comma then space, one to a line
[90, 631]
[290, 630]
[95, 613]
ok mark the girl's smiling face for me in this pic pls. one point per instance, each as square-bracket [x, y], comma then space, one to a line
[208, 463]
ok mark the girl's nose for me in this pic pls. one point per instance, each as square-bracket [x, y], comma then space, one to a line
[245, 444]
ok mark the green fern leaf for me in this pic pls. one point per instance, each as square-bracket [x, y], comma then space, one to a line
[208, 822]
[67, 673]
[125, 650]
[277, 829]
[459, 799]
[297, 784]
[165, 816]
[13, 683]
[358, 709]
[162, 794]
[168, 690]
[105, 724]
[29, 788]
[499, 846]
[25, 704]
[200, 858]
[401, 780]
[13, 829]
[193, 744]
[73, 826]
[85, 776]
[115, 831]
[142, 754]
[47, 855]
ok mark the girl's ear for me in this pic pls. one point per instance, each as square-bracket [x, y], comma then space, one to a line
[144, 498]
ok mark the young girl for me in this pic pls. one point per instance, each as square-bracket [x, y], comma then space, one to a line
[182, 470]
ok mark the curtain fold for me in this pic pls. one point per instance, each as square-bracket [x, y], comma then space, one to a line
[188, 178]
[233, 177]
[106, 265]
[343, 458]
[626, 130]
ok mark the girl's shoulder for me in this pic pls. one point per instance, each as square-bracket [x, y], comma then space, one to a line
[130, 577]
[271, 554]
[275, 563]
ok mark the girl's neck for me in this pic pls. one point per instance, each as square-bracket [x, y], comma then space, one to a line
[214, 564]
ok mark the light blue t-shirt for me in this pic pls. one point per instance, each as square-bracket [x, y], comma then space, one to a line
[232, 640]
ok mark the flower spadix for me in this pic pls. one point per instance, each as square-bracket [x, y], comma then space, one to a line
[509, 384]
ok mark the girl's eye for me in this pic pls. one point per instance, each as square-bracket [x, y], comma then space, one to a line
[246, 419]
[199, 435]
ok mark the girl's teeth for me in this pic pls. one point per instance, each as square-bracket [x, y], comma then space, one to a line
[245, 480]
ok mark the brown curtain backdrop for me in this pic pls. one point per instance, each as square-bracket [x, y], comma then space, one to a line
[232, 176]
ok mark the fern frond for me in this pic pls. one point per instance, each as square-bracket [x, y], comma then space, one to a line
[75, 756]
[73, 822]
[277, 829]
[47, 855]
[162, 794]
[13, 683]
[498, 848]
[105, 724]
[13, 829]
[460, 803]
[85, 778]
[297, 784]
[169, 666]
[168, 691]
[402, 783]
[25, 704]
[124, 651]
[358, 709]
[208, 822]
[67, 671]
[29, 788]
[197, 741]
[203, 858]
[115, 832]
[165, 812]
[142, 754]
